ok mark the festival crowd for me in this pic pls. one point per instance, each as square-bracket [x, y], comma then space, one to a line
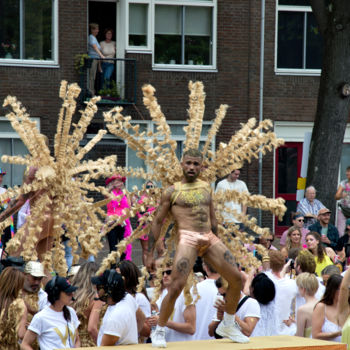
[301, 289]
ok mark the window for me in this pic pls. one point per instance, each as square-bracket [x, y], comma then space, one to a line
[178, 134]
[28, 32]
[181, 35]
[298, 40]
[11, 144]
[138, 25]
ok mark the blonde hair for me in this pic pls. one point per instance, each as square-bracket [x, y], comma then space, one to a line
[93, 26]
[289, 233]
[86, 292]
[307, 281]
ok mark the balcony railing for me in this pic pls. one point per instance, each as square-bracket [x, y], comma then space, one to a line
[120, 89]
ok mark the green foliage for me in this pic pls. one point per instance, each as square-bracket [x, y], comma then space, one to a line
[79, 61]
[113, 91]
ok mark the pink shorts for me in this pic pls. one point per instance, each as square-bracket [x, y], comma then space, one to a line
[200, 241]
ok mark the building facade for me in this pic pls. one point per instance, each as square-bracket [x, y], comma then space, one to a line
[167, 43]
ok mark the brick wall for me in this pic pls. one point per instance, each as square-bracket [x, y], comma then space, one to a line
[236, 83]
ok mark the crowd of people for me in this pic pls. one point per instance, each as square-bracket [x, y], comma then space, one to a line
[302, 287]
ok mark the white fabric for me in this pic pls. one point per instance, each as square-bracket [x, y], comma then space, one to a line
[120, 321]
[176, 316]
[143, 303]
[205, 310]
[238, 186]
[43, 302]
[150, 292]
[330, 327]
[268, 322]
[286, 291]
[2, 190]
[250, 308]
[22, 214]
[52, 329]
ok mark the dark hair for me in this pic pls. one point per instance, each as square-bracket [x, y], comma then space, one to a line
[321, 252]
[295, 215]
[193, 153]
[332, 286]
[263, 289]
[109, 30]
[131, 274]
[115, 286]
[53, 294]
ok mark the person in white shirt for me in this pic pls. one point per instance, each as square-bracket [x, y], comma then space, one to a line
[119, 326]
[232, 183]
[286, 291]
[56, 326]
[205, 310]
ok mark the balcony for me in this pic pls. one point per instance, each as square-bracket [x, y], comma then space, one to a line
[120, 89]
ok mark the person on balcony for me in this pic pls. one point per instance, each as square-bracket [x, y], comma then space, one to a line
[94, 51]
[108, 49]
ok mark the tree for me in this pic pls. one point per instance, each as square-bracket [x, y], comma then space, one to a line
[333, 18]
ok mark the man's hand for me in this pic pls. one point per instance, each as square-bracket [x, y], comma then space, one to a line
[150, 261]
[325, 239]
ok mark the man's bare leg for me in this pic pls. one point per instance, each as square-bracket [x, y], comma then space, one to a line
[185, 258]
[224, 263]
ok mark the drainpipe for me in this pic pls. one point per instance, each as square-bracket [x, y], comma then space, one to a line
[261, 95]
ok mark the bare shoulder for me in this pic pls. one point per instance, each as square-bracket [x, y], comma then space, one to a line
[168, 191]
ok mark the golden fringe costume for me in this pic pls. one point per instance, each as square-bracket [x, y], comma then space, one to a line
[65, 179]
[9, 325]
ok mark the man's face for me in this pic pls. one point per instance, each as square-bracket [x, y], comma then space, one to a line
[310, 194]
[234, 175]
[324, 218]
[167, 277]
[31, 283]
[191, 167]
[266, 242]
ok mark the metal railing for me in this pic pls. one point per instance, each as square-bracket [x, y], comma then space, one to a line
[120, 89]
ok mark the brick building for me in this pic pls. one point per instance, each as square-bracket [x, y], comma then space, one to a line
[167, 43]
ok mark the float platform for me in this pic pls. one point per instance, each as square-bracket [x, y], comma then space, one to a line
[256, 343]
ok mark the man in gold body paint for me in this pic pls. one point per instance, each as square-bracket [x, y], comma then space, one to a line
[190, 202]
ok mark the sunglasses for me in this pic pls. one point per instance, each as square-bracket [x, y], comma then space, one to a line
[149, 186]
[269, 239]
[300, 220]
[167, 272]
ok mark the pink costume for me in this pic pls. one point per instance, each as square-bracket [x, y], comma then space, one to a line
[140, 215]
[115, 207]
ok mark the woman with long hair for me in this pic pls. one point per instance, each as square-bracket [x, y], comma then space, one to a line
[315, 246]
[344, 308]
[87, 308]
[324, 317]
[13, 312]
[293, 240]
[131, 275]
[56, 326]
[297, 219]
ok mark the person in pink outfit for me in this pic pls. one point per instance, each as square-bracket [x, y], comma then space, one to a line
[115, 185]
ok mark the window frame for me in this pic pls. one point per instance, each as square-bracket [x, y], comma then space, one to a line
[151, 32]
[292, 71]
[39, 63]
[10, 135]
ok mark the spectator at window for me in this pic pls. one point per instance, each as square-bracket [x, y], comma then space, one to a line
[94, 51]
[108, 49]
